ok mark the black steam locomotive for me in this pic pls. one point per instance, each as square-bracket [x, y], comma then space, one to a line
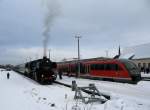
[41, 70]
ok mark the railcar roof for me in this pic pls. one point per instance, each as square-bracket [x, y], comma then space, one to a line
[107, 60]
[94, 61]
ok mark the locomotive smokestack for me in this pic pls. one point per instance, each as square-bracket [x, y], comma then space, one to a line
[52, 11]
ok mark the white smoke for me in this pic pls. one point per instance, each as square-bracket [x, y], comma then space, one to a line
[52, 8]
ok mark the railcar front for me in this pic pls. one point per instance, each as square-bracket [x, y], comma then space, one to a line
[132, 69]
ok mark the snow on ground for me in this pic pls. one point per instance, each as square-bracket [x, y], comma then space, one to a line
[21, 93]
[127, 93]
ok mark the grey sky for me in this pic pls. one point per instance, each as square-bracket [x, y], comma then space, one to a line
[103, 25]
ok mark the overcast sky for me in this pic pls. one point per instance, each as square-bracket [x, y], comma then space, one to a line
[103, 25]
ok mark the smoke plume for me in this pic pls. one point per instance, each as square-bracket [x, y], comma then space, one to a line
[52, 11]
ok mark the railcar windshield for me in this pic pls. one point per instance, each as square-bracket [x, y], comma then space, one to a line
[129, 65]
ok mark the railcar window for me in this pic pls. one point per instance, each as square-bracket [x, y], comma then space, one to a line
[113, 67]
[97, 67]
[108, 67]
[101, 66]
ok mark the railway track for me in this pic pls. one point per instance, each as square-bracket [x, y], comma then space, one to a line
[66, 85]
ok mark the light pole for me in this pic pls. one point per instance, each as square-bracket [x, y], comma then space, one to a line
[78, 37]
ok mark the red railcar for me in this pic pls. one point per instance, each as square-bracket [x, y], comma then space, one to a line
[113, 69]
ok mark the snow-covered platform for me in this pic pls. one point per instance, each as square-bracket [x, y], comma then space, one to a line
[21, 93]
[146, 75]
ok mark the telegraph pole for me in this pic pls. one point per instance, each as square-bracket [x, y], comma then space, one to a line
[78, 37]
[49, 53]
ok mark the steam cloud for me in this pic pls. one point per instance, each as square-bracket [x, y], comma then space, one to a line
[52, 11]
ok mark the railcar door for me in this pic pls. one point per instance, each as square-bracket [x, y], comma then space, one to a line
[112, 70]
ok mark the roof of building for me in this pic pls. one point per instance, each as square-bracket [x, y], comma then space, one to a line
[140, 51]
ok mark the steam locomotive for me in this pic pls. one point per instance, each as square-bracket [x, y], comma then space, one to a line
[41, 70]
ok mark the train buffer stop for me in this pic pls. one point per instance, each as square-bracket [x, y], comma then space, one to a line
[89, 94]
